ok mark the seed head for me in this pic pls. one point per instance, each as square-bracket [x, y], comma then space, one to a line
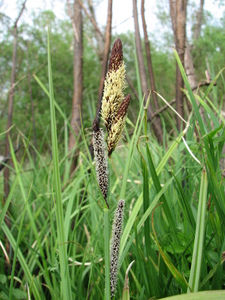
[114, 105]
[115, 244]
[100, 156]
[114, 85]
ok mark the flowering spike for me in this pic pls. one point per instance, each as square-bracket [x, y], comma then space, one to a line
[113, 86]
[115, 244]
[100, 156]
[114, 106]
[118, 125]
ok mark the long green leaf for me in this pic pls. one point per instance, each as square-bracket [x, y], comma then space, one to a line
[199, 235]
[132, 146]
[206, 295]
[8, 200]
[26, 270]
[64, 271]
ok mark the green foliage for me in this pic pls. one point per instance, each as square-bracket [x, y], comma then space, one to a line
[32, 39]
[59, 231]
[208, 54]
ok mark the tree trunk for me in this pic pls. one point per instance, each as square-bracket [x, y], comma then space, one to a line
[144, 84]
[188, 63]
[78, 78]
[189, 68]
[181, 6]
[105, 58]
[150, 71]
[142, 73]
[173, 15]
[11, 98]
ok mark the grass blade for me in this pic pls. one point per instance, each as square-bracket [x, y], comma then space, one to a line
[133, 143]
[64, 271]
[22, 261]
[209, 295]
[176, 274]
[199, 235]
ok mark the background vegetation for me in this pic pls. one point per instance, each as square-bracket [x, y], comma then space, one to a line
[173, 192]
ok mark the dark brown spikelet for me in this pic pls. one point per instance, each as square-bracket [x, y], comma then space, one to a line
[115, 245]
[101, 162]
[95, 126]
[122, 111]
[117, 127]
[116, 57]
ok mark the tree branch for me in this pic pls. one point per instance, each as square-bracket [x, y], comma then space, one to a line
[160, 110]
[72, 21]
[20, 14]
[151, 74]
[91, 19]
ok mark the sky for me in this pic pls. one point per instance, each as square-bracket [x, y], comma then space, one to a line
[122, 11]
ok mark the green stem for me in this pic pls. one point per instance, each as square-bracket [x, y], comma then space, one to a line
[107, 256]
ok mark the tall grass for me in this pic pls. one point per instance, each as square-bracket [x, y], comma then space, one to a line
[173, 221]
[57, 194]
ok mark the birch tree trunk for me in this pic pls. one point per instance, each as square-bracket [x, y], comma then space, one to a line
[181, 6]
[188, 62]
[144, 84]
[150, 71]
[78, 78]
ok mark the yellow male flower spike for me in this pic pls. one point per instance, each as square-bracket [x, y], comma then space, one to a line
[114, 85]
[100, 156]
[118, 125]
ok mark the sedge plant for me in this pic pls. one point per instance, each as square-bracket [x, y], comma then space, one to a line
[113, 111]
